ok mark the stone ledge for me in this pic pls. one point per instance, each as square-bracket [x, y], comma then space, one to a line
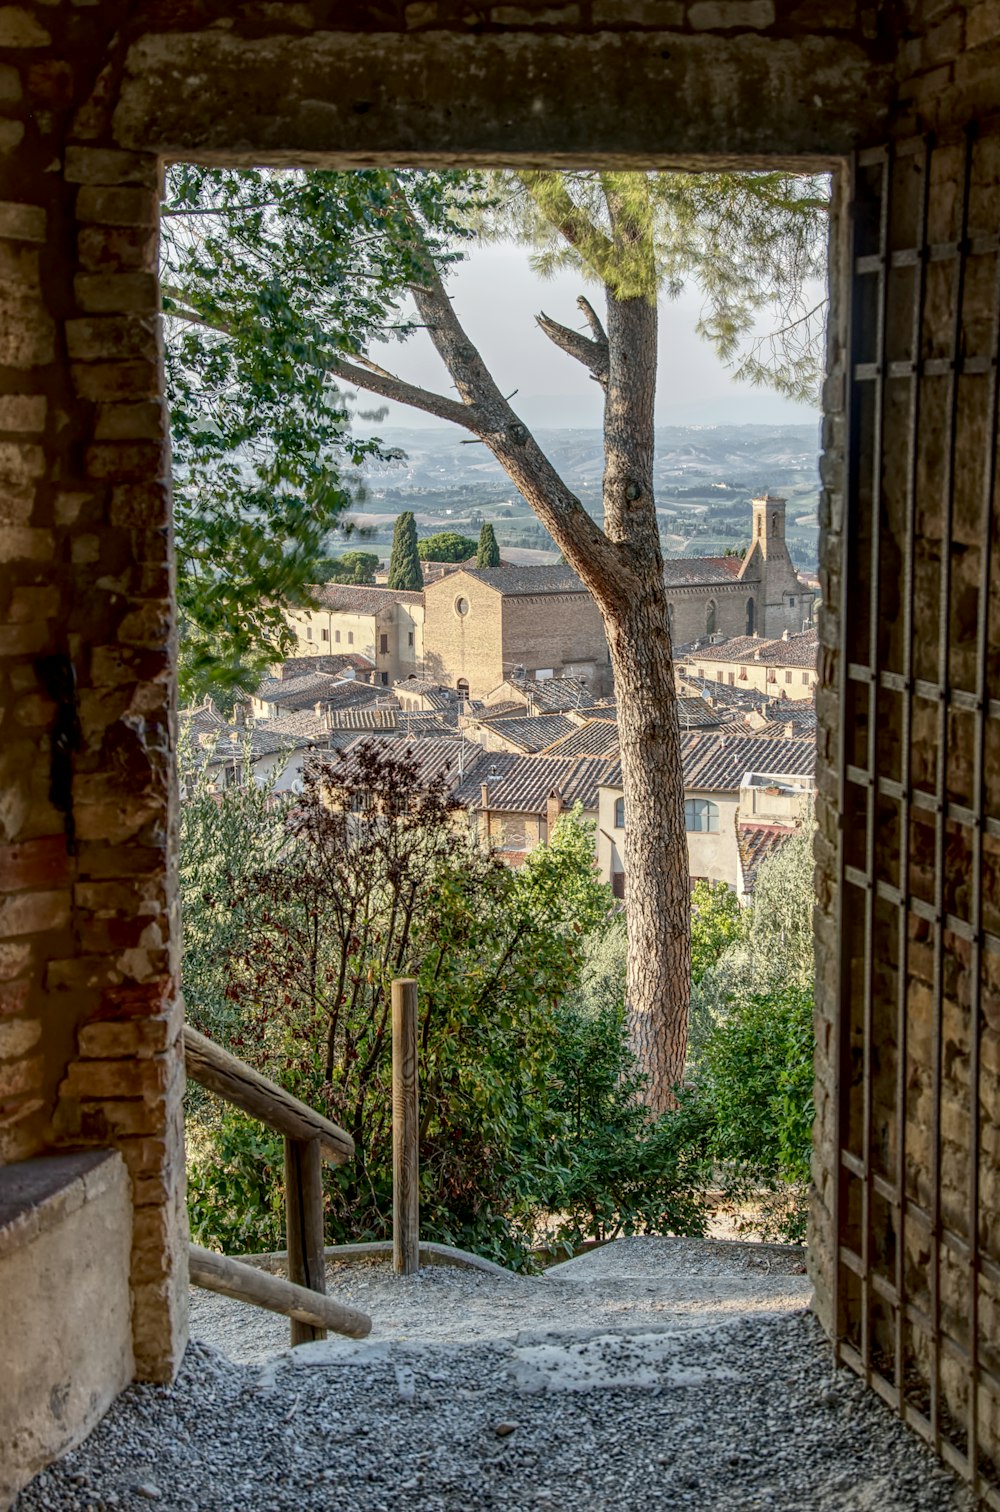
[36, 1195]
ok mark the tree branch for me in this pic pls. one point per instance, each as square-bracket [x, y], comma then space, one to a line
[594, 355]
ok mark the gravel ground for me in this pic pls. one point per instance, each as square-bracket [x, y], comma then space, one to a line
[702, 1404]
[655, 1283]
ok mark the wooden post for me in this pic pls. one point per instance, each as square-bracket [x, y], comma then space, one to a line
[234, 1278]
[304, 1225]
[405, 1130]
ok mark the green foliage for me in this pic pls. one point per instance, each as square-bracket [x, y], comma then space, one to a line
[487, 552]
[349, 567]
[755, 1074]
[267, 278]
[235, 1182]
[716, 922]
[752, 1045]
[622, 1172]
[446, 546]
[754, 244]
[404, 563]
[602, 981]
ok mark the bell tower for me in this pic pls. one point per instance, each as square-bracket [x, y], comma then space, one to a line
[769, 526]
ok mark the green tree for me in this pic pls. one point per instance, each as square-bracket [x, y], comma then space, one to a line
[268, 279]
[446, 546]
[488, 552]
[750, 241]
[404, 563]
[350, 567]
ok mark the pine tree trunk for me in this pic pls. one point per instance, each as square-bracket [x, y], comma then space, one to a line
[657, 886]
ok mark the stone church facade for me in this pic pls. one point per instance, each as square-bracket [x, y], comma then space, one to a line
[724, 597]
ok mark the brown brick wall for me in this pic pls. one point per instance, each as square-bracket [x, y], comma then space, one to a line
[463, 645]
[561, 632]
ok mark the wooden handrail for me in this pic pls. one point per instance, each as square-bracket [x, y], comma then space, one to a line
[234, 1278]
[228, 1077]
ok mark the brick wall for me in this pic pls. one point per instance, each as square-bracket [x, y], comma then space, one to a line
[463, 645]
[557, 632]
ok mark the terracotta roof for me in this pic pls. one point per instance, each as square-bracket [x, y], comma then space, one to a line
[304, 724]
[697, 713]
[436, 755]
[797, 651]
[696, 572]
[361, 600]
[428, 721]
[532, 734]
[715, 763]
[364, 719]
[727, 696]
[299, 666]
[757, 842]
[305, 692]
[598, 737]
[514, 581]
[523, 784]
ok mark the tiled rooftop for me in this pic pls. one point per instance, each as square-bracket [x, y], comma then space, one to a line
[796, 651]
[716, 763]
[361, 600]
[523, 784]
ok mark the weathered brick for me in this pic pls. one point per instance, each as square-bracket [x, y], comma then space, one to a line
[143, 506]
[134, 1038]
[14, 995]
[21, 543]
[17, 1078]
[114, 337]
[107, 461]
[68, 506]
[145, 421]
[34, 912]
[117, 248]
[18, 1036]
[725, 15]
[982, 24]
[23, 412]
[653, 13]
[10, 84]
[111, 293]
[110, 166]
[27, 604]
[33, 863]
[20, 222]
[117, 207]
[115, 380]
[11, 135]
[21, 28]
[27, 333]
[21, 461]
[89, 1080]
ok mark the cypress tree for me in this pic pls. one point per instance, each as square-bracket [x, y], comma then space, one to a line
[488, 554]
[404, 564]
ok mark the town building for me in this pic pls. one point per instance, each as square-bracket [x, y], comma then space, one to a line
[784, 668]
[385, 625]
[516, 800]
[729, 781]
[484, 625]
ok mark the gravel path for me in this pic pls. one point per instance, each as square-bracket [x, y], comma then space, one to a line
[469, 1396]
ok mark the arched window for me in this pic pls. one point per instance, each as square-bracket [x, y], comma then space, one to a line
[462, 687]
[701, 816]
[750, 616]
[619, 813]
[710, 617]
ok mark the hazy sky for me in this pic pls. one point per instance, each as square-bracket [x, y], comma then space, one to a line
[497, 296]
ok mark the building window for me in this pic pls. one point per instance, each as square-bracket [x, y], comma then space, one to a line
[732, 679]
[309, 632]
[385, 679]
[619, 813]
[336, 636]
[701, 816]
[324, 635]
[461, 606]
[750, 614]
[720, 676]
[409, 638]
[350, 637]
[788, 676]
[805, 679]
[710, 617]
[462, 687]
[383, 645]
[791, 603]
[618, 884]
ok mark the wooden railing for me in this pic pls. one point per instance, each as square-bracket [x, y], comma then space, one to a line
[310, 1139]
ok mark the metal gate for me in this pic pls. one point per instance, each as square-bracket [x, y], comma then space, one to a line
[917, 1195]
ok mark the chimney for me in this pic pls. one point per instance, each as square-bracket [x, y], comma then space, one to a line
[789, 731]
[553, 808]
[484, 796]
[784, 635]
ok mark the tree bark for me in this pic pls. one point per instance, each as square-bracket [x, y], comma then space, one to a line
[622, 566]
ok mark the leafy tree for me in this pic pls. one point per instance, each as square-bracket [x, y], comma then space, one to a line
[488, 552]
[268, 279]
[404, 563]
[749, 241]
[446, 546]
[716, 922]
[350, 567]
[377, 880]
